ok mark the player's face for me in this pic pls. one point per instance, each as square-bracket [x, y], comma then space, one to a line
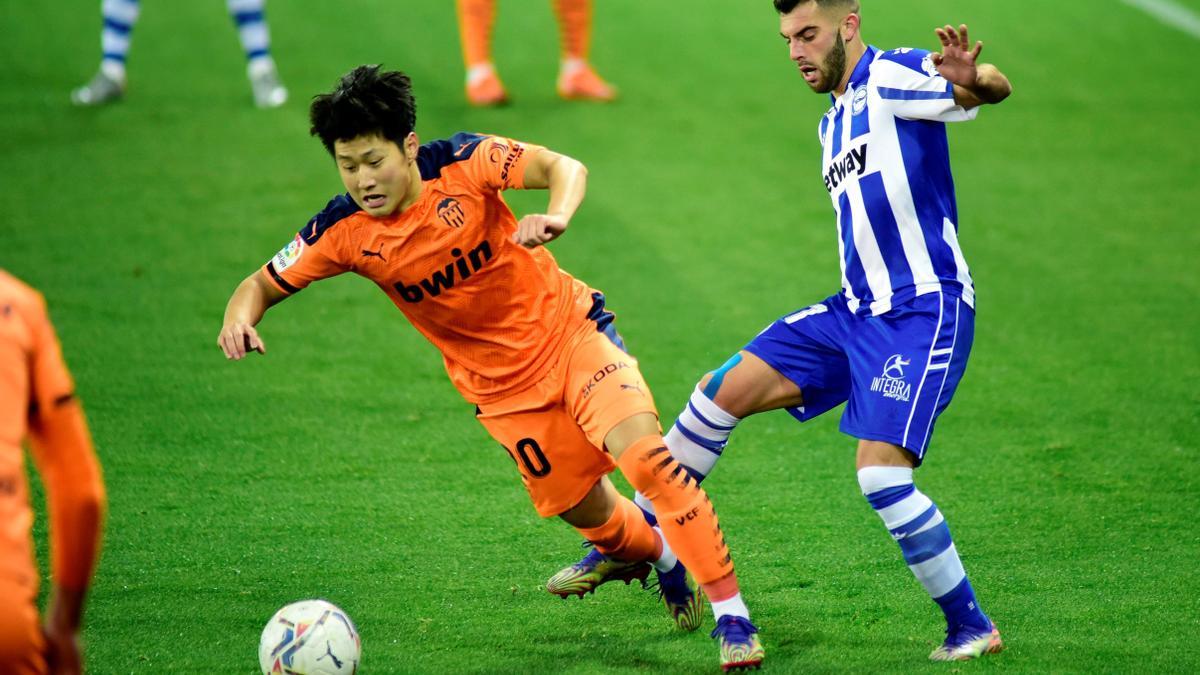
[378, 174]
[815, 43]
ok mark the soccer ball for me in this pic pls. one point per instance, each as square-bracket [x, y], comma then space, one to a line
[310, 637]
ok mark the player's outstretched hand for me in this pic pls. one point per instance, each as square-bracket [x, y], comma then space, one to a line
[538, 228]
[239, 339]
[956, 62]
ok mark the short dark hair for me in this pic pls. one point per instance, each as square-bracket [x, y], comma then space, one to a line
[786, 6]
[366, 101]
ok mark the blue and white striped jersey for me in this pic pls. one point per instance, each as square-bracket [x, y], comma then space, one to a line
[886, 165]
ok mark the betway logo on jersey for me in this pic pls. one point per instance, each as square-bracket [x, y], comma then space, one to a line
[891, 383]
[852, 162]
[459, 269]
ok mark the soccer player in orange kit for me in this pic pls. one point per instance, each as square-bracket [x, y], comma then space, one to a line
[37, 401]
[532, 347]
[577, 81]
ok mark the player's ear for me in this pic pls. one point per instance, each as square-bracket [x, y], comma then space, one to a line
[850, 26]
[411, 145]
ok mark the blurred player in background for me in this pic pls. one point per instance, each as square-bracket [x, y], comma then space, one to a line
[576, 79]
[37, 401]
[895, 341]
[120, 16]
[533, 348]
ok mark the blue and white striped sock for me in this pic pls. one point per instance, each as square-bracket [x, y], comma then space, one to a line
[918, 526]
[120, 16]
[251, 20]
[696, 439]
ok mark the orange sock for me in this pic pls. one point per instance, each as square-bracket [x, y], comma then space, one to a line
[475, 19]
[626, 535]
[575, 26]
[685, 514]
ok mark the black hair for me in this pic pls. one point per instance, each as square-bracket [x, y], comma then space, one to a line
[366, 101]
[786, 6]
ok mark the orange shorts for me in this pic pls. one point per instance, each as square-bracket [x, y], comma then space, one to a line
[22, 646]
[555, 430]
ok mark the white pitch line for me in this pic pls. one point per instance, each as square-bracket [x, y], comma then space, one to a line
[1171, 13]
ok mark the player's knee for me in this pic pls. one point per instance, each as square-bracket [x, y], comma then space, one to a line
[711, 383]
[630, 431]
[882, 454]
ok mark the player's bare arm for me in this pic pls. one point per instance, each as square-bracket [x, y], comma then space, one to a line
[246, 308]
[974, 83]
[566, 178]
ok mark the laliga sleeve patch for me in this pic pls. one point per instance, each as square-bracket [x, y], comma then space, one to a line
[927, 65]
[289, 254]
[497, 151]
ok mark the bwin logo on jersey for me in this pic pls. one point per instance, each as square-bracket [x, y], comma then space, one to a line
[891, 383]
[853, 162]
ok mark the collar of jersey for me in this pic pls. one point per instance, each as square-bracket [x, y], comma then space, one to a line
[861, 70]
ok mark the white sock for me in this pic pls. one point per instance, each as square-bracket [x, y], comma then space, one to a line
[251, 26]
[731, 607]
[697, 438]
[918, 526]
[479, 71]
[115, 70]
[120, 16]
[667, 561]
[571, 65]
[260, 66]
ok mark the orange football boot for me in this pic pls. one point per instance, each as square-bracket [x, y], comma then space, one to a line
[583, 84]
[486, 90]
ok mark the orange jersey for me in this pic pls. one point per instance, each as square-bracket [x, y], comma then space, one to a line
[498, 312]
[37, 400]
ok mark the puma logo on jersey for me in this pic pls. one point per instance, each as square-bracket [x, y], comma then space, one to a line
[457, 270]
[374, 254]
[853, 162]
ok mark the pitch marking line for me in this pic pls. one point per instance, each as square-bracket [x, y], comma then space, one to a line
[1171, 13]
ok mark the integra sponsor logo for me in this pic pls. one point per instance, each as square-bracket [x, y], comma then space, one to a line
[854, 162]
[444, 279]
[891, 383]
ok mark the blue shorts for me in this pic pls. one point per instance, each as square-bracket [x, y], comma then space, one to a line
[898, 371]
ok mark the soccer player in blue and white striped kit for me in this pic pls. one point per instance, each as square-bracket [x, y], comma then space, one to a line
[893, 344]
[120, 16]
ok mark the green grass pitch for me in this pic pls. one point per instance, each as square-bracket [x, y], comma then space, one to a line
[343, 464]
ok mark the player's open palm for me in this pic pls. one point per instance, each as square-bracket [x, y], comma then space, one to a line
[956, 62]
[536, 229]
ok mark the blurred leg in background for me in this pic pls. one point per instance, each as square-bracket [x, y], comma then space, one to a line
[576, 78]
[120, 16]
